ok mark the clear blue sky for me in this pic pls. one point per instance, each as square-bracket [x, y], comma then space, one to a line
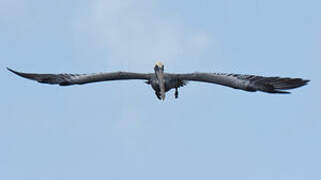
[120, 130]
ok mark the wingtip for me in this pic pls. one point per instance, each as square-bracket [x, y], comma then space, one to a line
[21, 74]
[13, 71]
[306, 81]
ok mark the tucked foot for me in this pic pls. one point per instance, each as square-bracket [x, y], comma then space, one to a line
[158, 95]
[176, 93]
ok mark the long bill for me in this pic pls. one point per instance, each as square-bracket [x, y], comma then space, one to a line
[161, 83]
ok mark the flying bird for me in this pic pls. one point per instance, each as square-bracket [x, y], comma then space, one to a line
[162, 82]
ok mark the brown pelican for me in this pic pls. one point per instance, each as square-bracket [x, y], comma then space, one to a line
[162, 82]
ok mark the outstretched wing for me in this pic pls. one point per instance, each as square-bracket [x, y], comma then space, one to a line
[72, 79]
[245, 82]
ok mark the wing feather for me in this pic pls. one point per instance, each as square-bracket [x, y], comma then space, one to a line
[245, 82]
[72, 79]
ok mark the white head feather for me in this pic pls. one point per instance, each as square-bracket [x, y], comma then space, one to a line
[159, 64]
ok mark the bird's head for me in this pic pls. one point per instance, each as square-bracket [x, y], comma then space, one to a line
[159, 67]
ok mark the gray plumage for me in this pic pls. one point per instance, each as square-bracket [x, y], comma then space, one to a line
[162, 82]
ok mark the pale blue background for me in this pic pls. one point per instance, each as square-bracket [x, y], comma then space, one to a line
[120, 130]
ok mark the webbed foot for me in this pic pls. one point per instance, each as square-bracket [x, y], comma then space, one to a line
[158, 95]
[176, 93]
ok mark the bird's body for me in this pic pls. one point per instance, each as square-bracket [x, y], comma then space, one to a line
[169, 83]
[163, 82]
